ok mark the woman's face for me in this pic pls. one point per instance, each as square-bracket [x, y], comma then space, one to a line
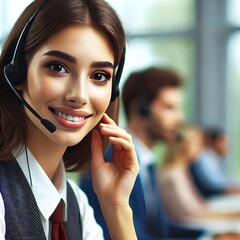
[69, 83]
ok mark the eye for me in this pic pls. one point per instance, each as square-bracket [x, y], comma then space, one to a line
[100, 76]
[57, 67]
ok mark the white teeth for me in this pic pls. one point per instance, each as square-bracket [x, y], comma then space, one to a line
[75, 119]
[68, 117]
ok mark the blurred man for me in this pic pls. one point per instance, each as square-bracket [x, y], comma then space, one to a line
[208, 170]
[152, 100]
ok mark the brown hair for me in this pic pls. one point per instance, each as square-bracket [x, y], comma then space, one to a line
[186, 134]
[146, 84]
[52, 17]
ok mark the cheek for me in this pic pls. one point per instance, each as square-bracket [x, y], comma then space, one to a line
[39, 84]
[43, 89]
[100, 98]
[157, 118]
[166, 118]
[173, 118]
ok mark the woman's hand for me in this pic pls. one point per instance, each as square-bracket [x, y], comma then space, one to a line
[113, 181]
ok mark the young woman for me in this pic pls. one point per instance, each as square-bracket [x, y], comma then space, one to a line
[59, 76]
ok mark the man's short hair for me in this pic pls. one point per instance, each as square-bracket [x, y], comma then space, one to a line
[145, 85]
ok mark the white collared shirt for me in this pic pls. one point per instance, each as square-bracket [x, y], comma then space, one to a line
[48, 197]
[145, 156]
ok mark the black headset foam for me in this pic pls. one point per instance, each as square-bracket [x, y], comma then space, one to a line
[144, 105]
[16, 70]
[117, 77]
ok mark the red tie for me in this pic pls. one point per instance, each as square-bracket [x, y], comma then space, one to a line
[58, 229]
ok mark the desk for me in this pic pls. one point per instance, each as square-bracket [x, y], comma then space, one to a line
[230, 203]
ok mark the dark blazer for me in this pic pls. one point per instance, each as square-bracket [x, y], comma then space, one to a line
[160, 228]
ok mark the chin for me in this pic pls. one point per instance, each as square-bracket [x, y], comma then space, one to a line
[73, 142]
[67, 141]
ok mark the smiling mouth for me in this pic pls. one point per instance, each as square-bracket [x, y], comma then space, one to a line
[69, 117]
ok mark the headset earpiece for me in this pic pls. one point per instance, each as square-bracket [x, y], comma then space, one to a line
[16, 73]
[144, 109]
[117, 77]
[16, 70]
[115, 93]
[11, 72]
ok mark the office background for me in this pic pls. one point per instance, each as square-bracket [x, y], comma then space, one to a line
[198, 38]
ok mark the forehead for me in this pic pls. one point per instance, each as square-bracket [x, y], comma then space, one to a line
[84, 42]
[169, 95]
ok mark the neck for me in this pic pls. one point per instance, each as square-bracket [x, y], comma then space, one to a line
[178, 163]
[141, 134]
[47, 153]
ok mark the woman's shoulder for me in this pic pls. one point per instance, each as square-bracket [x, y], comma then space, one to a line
[171, 178]
[170, 173]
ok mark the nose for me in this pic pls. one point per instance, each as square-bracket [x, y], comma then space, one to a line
[77, 92]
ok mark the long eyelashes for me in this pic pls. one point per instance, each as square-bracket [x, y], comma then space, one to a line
[100, 76]
[59, 68]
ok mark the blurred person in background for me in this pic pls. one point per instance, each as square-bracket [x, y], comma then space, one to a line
[180, 196]
[152, 99]
[208, 171]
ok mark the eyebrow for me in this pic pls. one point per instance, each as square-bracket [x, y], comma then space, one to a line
[102, 64]
[59, 54]
[71, 59]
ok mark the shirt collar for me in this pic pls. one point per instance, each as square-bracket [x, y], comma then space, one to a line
[45, 193]
[145, 154]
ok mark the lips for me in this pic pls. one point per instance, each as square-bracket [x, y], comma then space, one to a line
[69, 117]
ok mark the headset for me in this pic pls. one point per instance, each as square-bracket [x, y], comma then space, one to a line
[144, 106]
[15, 73]
[144, 110]
[117, 76]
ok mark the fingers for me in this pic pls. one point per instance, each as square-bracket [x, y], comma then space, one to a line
[124, 155]
[116, 135]
[107, 119]
[120, 139]
[114, 131]
[109, 127]
[96, 148]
